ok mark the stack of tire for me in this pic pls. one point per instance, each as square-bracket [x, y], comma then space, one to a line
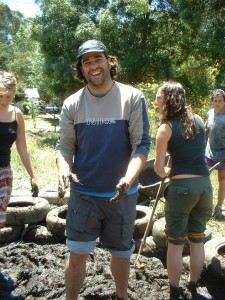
[56, 220]
[31, 219]
[156, 243]
[23, 212]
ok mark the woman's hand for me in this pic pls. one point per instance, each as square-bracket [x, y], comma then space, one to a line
[34, 187]
[167, 171]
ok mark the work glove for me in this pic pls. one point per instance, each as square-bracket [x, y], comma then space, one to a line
[64, 180]
[121, 191]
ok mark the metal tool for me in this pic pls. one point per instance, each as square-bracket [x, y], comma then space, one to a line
[216, 165]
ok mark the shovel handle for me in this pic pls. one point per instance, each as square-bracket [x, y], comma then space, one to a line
[149, 225]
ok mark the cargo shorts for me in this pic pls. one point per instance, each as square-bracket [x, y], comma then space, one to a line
[188, 208]
[91, 217]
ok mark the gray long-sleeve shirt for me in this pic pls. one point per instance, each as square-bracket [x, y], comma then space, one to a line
[101, 134]
[215, 123]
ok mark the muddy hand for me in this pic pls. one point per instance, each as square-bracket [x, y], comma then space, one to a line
[73, 177]
[64, 183]
[34, 190]
[121, 191]
[34, 187]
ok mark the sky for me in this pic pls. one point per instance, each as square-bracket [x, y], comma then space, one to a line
[27, 7]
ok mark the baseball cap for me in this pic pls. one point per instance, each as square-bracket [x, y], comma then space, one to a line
[91, 46]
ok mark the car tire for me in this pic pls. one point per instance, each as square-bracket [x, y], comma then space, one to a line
[215, 256]
[49, 194]
[56, 220]
[53, 197]
[40, 235]
[141, 221]
[9, 234]
[150, 248]
[26, 210]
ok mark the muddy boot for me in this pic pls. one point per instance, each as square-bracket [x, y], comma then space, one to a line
[192, 287]
[177, 293]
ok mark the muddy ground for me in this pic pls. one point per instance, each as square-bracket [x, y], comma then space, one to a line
[36, 271]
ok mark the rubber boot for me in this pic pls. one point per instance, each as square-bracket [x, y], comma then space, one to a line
[192, 287]
[177, 293]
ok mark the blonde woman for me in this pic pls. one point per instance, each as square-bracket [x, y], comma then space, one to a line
[12, 129]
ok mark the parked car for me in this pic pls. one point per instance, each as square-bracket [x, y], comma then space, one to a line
[52, 108]
[42, 106]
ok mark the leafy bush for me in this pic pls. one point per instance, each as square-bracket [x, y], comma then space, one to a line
[33, 109]
[25, 107]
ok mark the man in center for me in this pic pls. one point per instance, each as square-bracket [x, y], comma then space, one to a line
[104, 140]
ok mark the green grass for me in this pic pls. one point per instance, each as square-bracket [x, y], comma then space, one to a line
[41, 145]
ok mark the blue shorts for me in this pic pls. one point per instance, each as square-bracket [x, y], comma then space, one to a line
[90, 217]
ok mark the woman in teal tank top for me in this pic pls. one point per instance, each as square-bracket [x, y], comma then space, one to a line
[12, 129]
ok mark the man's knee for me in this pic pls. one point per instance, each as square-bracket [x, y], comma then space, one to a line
[77, 259]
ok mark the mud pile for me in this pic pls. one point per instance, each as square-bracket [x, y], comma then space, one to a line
[32, 271]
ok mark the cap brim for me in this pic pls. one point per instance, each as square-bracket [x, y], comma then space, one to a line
[89, 51]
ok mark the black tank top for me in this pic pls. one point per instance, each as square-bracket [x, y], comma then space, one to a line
[7, 138]
[188, 156]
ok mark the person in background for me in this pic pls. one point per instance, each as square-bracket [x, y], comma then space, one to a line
[12, 129]
[215, 148]
[104, 140]
[189, 192]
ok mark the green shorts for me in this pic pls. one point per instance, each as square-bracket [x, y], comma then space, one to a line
[188, 208]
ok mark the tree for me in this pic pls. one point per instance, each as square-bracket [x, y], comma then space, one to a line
[207, 22]
[20, 54]
[154, 41]
[9, 24]
[64, 25]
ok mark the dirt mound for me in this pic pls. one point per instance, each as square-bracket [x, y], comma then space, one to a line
[30, 271]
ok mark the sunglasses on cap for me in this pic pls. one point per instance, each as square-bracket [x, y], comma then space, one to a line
[218, 92]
